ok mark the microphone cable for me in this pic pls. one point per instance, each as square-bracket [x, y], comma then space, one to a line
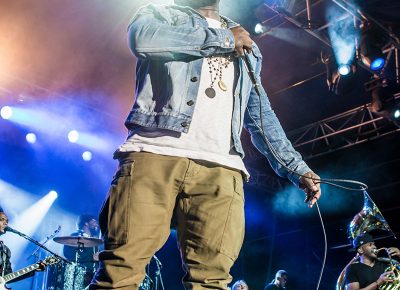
[329, 181]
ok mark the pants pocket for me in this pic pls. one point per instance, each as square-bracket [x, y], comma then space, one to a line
[233, 232]
[114, 214]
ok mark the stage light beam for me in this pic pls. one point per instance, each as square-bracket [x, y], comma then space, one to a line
[28, 221]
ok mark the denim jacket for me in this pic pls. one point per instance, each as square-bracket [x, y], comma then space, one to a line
[171, 43]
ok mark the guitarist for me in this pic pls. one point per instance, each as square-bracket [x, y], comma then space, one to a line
[5, 253]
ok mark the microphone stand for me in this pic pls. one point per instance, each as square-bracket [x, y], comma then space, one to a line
[35, 254]
[47, 239]
[26, 237]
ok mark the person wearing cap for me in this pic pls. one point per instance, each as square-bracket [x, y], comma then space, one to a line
[368, 273]
[279, 282]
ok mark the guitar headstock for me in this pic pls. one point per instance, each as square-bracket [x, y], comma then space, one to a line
[51, 260]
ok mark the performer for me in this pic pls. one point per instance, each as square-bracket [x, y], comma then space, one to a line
[369, 273]
[279, 282]
[240, 285]
[5, 253]
[183, 154]
[87, 226]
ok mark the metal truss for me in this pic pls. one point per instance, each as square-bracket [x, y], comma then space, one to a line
[344, 130]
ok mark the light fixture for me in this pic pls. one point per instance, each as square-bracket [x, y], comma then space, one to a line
[87, 155]
[73, 136]
[344, 69]
[31, 138]
[371, 43]
[6, 112]
[339, 78]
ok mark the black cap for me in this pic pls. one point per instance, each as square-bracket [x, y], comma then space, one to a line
[361, 240]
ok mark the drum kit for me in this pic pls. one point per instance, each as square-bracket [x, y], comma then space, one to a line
[72, 276]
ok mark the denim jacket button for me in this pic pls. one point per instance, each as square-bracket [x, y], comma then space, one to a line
[194, 79]
[227, 42]
[190, 103]
[185, 124]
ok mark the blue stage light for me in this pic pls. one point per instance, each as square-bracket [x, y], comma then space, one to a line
[87, 155]
[6, 112]
[73, 136]
[31, 138]
[396, 114]
[377, 63]
[344, 69]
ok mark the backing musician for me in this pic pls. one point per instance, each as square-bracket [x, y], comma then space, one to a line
[88, 227]
[368, 273]
[5, 254]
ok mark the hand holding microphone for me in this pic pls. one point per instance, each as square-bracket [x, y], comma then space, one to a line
[243, 41]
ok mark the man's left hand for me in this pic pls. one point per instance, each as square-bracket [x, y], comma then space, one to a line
[309, 182]
[394, 252]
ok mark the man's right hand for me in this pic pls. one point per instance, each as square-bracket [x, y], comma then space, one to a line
[385, 277]
[243, 42]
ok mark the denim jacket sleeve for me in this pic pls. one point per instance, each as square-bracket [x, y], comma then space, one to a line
[265, 116]
[166, 32]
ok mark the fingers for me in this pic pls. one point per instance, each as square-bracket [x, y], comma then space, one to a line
[243, 41]
[393, 252]
[309, 182]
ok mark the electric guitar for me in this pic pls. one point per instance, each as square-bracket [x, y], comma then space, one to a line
[12, 276]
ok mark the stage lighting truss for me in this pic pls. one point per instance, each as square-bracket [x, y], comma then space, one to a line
[385, 100]
[375, 47]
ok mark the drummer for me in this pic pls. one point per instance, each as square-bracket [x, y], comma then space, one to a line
[88, 227]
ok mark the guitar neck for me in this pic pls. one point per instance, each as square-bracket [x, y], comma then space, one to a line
[20, 272]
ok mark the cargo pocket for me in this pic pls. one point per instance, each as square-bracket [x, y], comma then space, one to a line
[114, 214]
[233, 232]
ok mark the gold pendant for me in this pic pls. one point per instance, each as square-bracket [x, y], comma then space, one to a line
[210, 92]
[222, 86]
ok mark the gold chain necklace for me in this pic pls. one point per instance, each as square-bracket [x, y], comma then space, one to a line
[216, 66]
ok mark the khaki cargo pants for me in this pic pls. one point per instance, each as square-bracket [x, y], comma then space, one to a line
[147, 190]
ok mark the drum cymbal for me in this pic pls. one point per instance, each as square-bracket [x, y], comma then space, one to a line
[78, 241]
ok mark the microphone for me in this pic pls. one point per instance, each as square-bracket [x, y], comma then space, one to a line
[251, 73]
[9, 229]
[387, 260]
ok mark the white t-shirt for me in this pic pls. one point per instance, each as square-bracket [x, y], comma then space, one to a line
[209, 137]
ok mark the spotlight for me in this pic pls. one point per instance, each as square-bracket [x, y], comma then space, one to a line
[344, 69]
[396, 114]
[31, 138]
[371, 43]
[53, 194]
[87, 155]
[6, 112]
[340, 79]
[259, 28]
[384, 98]
[377, 64]
[73, 136]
